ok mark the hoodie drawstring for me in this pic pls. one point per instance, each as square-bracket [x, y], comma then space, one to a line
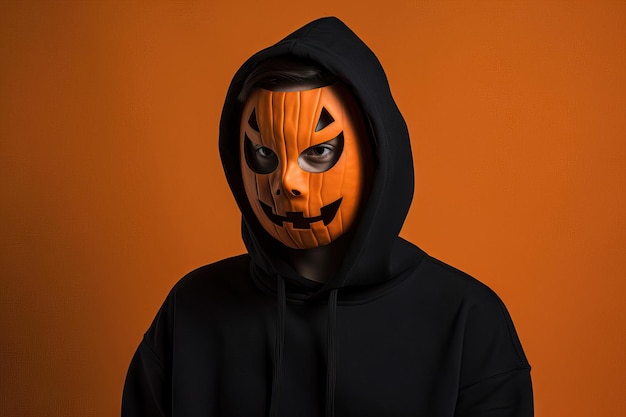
[278, 346]
[331, 366]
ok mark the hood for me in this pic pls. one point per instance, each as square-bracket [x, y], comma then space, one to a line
[334, 47]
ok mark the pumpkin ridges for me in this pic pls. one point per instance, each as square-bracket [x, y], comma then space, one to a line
[287, 121]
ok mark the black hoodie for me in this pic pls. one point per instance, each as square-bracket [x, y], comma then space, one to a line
[393, 333]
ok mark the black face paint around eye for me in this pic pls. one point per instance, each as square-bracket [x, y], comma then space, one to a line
[314, 161]
[261, 161]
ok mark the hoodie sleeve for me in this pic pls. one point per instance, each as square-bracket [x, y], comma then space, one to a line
[148, 386]
[505, 395]
[495, 374]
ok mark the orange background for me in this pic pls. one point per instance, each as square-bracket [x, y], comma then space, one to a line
[112, 188]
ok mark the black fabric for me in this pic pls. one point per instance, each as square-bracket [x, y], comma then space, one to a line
[394, 333]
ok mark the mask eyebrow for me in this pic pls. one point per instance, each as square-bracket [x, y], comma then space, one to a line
[325, 120]
[252, 121]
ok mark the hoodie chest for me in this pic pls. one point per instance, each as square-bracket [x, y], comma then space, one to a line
[386, 351]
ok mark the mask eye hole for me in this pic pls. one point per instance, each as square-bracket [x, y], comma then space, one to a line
[322, 157]
[260, 159]
[325, 120]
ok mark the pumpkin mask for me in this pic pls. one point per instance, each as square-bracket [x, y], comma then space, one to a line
[302, 163]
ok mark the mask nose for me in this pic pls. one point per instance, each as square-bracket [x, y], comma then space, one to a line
[294, 192]
[294, 181]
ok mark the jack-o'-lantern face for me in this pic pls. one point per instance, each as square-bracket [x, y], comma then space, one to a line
[302, 163]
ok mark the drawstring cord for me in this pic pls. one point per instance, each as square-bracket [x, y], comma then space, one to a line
[331, 364]
[331, 368]
[278, 346]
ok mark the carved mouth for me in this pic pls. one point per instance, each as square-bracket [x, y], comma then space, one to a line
[327, 214]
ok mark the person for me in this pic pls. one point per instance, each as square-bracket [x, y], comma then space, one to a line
[330, 313]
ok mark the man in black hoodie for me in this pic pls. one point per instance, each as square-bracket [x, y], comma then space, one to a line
[329, 312]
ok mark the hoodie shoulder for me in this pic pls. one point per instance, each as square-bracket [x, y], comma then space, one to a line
[225, 275]
[491, 343]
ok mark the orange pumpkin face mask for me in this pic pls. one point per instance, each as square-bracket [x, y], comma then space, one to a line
[302, 163]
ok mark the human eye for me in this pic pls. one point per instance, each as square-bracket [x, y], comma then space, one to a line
[259, 158]
[263, 151]
[320, 153]
[322, 157]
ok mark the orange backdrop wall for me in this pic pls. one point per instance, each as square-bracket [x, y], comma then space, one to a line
[112, 188]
